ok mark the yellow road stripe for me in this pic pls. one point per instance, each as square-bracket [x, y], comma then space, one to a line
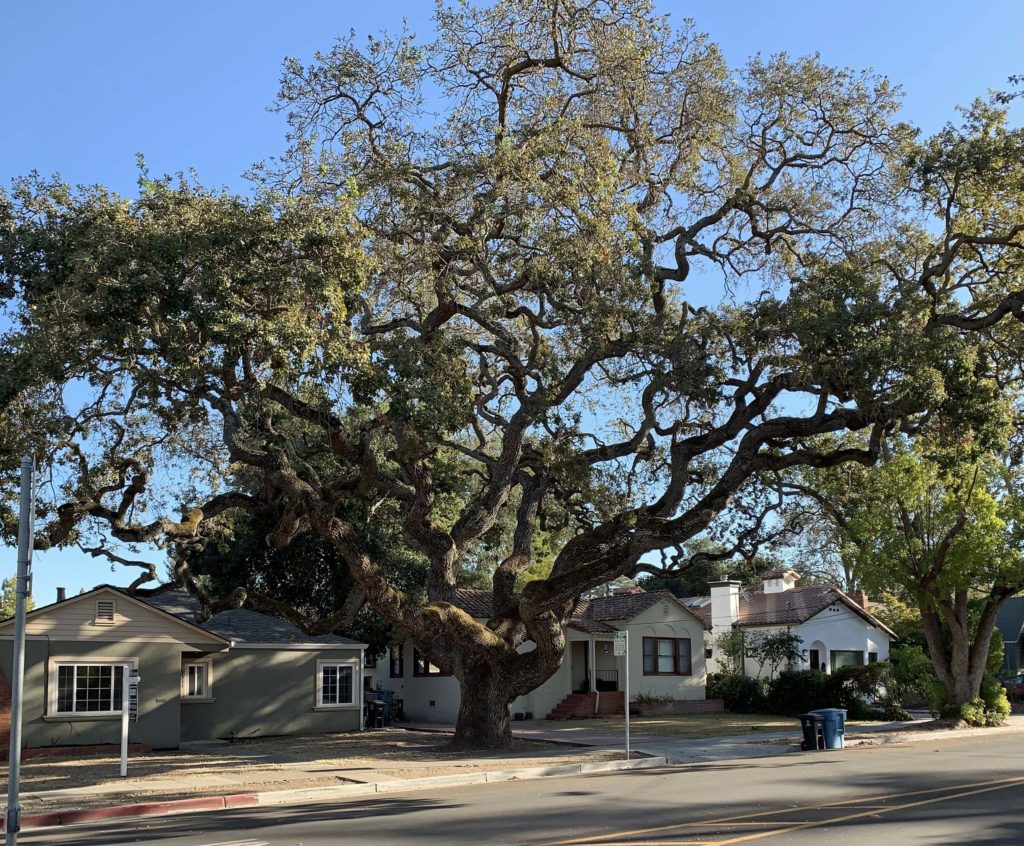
[616, 838]
[762, 834]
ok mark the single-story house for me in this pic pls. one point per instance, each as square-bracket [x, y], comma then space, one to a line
[836, 630]
[1010, 623]
[666, 658]
[240, 674]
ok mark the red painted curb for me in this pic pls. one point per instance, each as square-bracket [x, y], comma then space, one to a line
[143, 809]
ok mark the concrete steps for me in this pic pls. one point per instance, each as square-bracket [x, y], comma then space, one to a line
[578, 706]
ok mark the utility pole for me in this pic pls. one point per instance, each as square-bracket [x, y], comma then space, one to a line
[23, 590]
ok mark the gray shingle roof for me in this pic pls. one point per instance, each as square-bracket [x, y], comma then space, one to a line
[240, 624]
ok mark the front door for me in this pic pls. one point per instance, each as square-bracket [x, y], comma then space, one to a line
[580, 666]
[815, 659]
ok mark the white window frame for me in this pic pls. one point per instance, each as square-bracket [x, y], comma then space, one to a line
[207, 693]
[79, 661]
[351, 663]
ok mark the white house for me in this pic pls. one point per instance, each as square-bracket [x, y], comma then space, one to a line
[666, 658]
[836, 630]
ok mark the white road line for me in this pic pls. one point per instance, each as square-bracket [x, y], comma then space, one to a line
[249, 842]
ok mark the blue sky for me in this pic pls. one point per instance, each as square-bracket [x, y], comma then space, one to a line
[90, 84]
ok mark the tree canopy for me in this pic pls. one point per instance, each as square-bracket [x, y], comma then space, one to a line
[561, 269]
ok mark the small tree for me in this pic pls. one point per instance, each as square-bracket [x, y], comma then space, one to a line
[729, 646]
[773, 649]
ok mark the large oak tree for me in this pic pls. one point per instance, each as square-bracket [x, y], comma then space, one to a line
[562, 268]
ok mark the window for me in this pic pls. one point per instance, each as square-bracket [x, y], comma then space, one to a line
[421, 666]
[195, 680]
[872, 657]
[105, 609]
[667, 656]
[335, 684]
[90, 688]
[397, 656]
[846, 658]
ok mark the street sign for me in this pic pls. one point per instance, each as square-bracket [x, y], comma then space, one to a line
[133, 695]
[619, 644]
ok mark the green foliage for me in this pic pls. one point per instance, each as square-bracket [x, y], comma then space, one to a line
[974, 713]
[911, 676]
[648, 698]
[741, 694]
[773, 649]
[730, 645]
[8, 599]
[795, 692]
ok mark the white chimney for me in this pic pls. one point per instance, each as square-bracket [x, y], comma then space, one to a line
[779, 581]
[725, 605]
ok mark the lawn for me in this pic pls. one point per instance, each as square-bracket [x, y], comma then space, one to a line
[691, 726]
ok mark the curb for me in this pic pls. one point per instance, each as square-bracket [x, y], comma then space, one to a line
[322, 794]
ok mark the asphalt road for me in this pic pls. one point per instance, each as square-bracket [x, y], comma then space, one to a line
[933, 793]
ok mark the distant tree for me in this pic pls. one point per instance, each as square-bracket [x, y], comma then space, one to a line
[8, 598]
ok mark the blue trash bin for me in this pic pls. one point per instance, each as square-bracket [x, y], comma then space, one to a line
[835, 726]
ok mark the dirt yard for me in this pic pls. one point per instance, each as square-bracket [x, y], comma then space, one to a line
[272, 764]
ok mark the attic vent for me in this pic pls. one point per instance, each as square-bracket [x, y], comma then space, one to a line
[105, 611]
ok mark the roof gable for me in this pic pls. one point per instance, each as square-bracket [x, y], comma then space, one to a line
[189, 631]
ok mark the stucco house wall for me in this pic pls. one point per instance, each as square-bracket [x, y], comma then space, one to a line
[833, 629]
[264, 692]
[665, 620]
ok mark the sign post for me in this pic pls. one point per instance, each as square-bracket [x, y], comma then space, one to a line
[621, 643]
[22, 591]
[129, 709]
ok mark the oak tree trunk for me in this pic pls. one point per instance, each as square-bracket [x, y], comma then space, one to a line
[483, 721]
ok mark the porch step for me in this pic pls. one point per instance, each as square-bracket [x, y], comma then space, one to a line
[574, 706]
[578, 706]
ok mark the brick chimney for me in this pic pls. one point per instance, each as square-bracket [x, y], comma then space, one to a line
[627, 590]
[861, 598]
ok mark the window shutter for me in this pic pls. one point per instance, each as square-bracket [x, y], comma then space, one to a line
[104, 610]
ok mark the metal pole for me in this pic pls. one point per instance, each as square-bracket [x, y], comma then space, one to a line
[627, 694]
[23, 588]
[125, 681]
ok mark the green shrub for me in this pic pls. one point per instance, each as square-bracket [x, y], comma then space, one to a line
[795, 692]
[741, 694]
[997, 711]
[911, 676]
[648, 698]
[973, 712]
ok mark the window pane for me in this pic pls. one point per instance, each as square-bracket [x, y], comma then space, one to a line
[650, 666]
[683, 665]
[665, 664]
[329, 685]
[846, 658]
[665, 647]
[65, 689]
[345, 677]
[649, 644]
[195, 684]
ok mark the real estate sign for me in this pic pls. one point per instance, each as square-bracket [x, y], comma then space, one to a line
[619, 644]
